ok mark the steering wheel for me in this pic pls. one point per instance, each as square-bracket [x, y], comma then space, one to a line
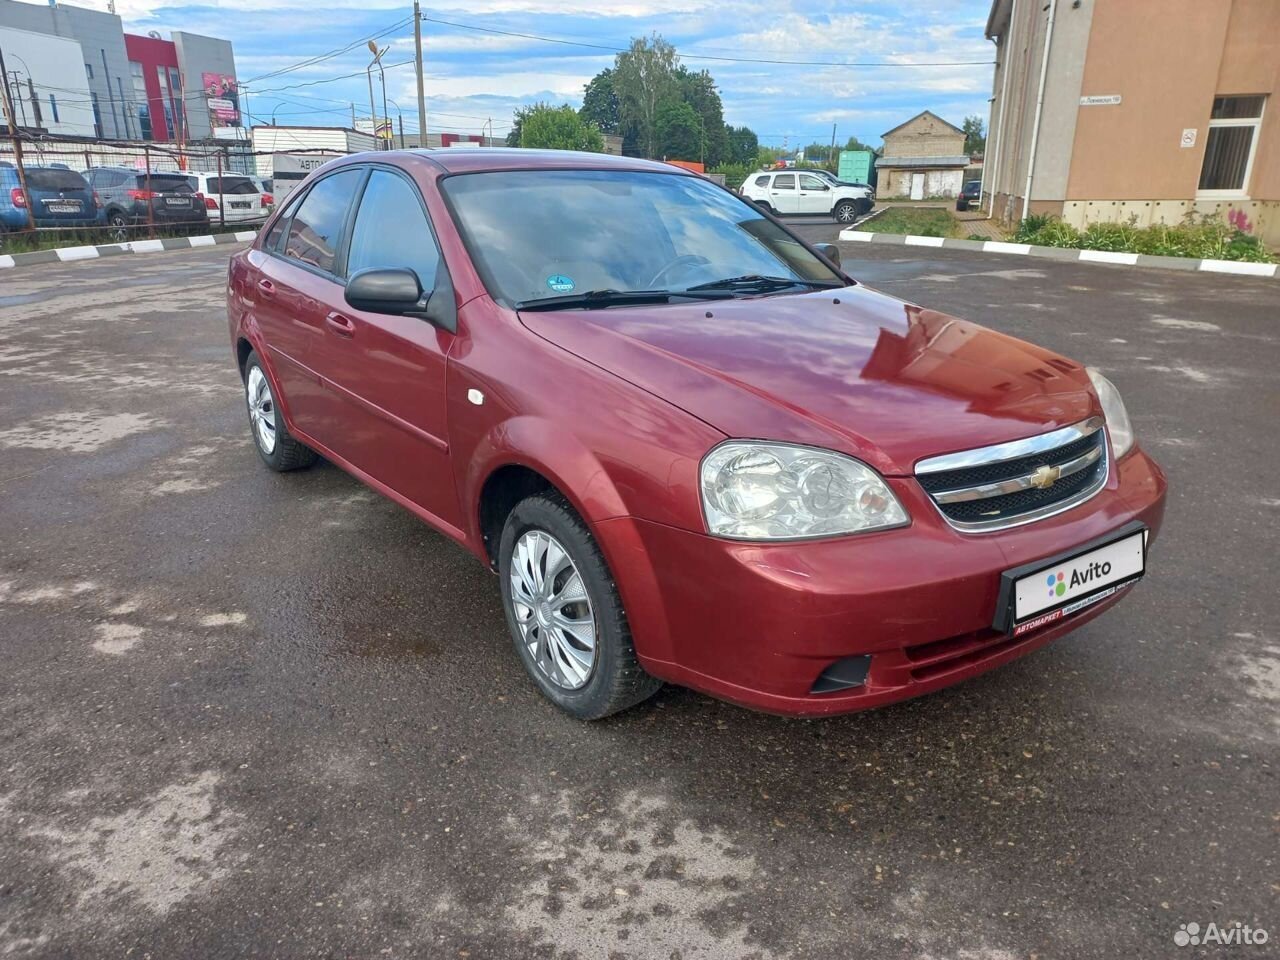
[684, 260]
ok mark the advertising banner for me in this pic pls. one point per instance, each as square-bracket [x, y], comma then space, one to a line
[223, 99]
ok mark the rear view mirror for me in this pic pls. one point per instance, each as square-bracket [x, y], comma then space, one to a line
[395, 291]
[830, 251]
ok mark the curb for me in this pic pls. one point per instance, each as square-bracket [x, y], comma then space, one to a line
[1065, 253]
[67, 254]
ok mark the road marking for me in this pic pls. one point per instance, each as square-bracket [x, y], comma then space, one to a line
[915, 241]
[76, 253]
[1003, 246]
[1109, 256]
[1235, 266]
[852, 234]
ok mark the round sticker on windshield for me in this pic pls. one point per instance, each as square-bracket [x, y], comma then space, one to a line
[560, 283]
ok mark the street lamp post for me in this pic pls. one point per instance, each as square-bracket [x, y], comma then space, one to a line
[399, 119]
[377, 61]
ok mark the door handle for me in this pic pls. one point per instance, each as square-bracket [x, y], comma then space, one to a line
[267, 288]
[341, 325]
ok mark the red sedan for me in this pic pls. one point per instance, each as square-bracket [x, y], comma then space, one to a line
[690, 445]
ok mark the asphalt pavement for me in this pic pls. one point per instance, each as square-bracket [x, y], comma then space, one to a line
[247, 714]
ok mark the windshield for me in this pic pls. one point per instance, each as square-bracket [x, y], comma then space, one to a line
[54, 178]
[537, 234]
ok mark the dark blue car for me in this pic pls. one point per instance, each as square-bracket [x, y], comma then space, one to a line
[57, 196]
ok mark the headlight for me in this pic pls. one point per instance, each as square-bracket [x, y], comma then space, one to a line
[1113, 409]
[773, 491]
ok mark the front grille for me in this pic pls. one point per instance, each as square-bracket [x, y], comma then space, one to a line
[994, 488]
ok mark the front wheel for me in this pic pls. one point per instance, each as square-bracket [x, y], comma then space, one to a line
[564, 612]
[846, 211]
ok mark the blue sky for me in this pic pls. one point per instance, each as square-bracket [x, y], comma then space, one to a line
[472, 75]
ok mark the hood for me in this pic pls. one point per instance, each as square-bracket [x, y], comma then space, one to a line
[851, 370]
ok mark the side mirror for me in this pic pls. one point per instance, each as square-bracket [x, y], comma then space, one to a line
[399, 292]
[830, 251]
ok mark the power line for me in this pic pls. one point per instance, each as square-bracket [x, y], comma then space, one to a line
[693, 56]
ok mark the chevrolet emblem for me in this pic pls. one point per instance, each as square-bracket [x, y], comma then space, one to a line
[1045, 477]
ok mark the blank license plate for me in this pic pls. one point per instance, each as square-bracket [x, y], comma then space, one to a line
[63, 207]
[241, 205]
[177, 201]
[1055, 589]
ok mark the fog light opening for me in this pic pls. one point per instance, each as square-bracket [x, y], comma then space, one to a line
[843, 675]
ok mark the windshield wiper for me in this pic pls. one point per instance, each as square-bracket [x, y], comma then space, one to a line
[755, 281]
[595, 299]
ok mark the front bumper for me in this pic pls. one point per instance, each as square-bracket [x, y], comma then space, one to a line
[758, 623]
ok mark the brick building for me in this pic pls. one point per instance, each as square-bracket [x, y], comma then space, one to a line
[923, 157]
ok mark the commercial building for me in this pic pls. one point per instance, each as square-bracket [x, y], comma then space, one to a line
[128, 87]
[46, 82]
[923, 157]
[1107, 110]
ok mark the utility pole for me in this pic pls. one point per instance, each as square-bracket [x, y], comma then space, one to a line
[373, 110]
[17, 146]
[832, 158]
[422, 97]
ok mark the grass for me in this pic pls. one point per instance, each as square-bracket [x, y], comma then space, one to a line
[920, 221]
[1205, 237]
[51, 239]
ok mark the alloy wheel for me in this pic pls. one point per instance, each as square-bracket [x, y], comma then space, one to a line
[846, 213]
[552, 610]
[262, 410]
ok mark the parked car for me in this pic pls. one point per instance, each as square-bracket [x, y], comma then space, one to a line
[264, 187]
[56, 196]
[131, 199]
[800, 192]
[692, 448]
[970, 194]
[832, 179]
[229, 198]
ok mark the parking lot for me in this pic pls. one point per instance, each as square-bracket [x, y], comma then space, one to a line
[250, 714]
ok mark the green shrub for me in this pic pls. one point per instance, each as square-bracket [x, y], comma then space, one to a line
[1203, 236]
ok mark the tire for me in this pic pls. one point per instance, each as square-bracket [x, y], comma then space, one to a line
[846, 211]
[614, 679]
[118, 227]
[271, 438]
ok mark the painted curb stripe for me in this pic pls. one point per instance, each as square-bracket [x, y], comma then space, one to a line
[915, 241]
[246, 234]
[143, 246]
[1109, 256]
[1003, 246]
[206, 241]
[5, 260]
[1235, 266]
[860, 235]
[76, 253]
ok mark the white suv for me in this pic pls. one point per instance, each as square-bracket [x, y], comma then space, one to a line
[792, 192]
[231, 198]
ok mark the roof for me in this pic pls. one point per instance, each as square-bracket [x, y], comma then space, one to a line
[922, 113]
[998, 18]
[477, 159]
[959, 161]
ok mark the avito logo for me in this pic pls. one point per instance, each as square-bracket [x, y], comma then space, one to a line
[1059, 584]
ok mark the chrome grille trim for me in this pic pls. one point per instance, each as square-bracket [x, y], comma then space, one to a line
[1024, 482]
[999, 452]
[1044, 444]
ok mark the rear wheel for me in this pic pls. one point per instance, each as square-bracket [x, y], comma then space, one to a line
[846, 211]
[271, 438]
[117, 227]
[565, 614]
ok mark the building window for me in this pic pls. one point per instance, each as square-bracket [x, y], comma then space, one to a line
[97, 115]
[53, 108]
[1230, 146]
[88, 70]
[145, 126]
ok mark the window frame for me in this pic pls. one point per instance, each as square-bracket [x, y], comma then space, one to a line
[344, 232]
[1241, 192]
[349, 232]
[777, 177]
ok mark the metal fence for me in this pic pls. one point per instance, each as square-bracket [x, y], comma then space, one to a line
[55, 191]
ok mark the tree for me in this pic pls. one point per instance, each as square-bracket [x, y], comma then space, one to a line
[699, 91]
[975, 134]
[743, 145]
[679, 131]
[558, 128]
[853, 143]
[644, 77]
[517, 122]
[600, 103]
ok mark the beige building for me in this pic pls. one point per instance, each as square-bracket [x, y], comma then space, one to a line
[1105, 110]
[923, 157]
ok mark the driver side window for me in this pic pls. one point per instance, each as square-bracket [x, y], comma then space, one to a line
[392, 230]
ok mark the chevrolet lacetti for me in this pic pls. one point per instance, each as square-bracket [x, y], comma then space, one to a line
[691, 446]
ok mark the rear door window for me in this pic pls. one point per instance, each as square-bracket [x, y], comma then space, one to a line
[316, 229]
[784, 181]
[165, 183]
[227, 185]
[54, 178]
